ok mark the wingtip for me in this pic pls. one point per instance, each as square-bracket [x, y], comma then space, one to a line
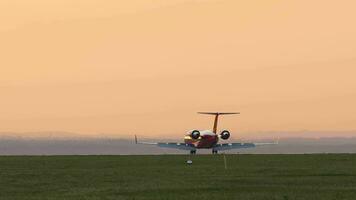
[277, 142]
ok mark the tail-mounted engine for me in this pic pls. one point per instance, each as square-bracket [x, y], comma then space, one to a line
[195, 134]
[225, 135]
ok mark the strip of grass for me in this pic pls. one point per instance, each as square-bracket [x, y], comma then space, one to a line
[169, 177]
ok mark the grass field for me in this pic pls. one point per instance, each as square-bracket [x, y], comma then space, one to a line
[168, 177]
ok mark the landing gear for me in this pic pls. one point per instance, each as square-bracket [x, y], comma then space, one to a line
[192, 152]
[215, 151]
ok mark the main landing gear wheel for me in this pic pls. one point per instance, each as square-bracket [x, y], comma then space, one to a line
[215, 151]
[193, 152]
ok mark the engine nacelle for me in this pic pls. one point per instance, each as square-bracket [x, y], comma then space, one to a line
[195, 134]
[225, 135]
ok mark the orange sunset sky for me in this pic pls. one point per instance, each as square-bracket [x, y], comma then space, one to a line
[147, 66]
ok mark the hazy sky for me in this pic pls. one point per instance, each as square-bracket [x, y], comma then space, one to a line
[139, 66]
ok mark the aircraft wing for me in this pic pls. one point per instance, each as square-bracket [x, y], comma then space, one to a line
[172, 145]
[265, 143]
[181, 146]
[229, 146]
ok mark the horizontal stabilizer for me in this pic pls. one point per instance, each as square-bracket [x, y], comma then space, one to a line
[218, 113]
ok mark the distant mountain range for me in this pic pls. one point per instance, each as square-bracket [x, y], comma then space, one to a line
[66, 143]
[44, 135]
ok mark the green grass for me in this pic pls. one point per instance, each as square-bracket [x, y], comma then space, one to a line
[279, 177]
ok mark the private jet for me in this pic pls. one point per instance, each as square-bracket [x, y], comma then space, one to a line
[206, 139]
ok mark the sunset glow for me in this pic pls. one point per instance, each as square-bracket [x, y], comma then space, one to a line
[123, 67]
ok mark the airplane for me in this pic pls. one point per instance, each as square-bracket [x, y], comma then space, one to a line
[206, 139]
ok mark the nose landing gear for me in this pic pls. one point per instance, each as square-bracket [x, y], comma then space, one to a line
[215, 151]
[192, 152]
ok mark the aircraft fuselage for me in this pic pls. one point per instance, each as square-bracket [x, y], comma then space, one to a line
[206, 140]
